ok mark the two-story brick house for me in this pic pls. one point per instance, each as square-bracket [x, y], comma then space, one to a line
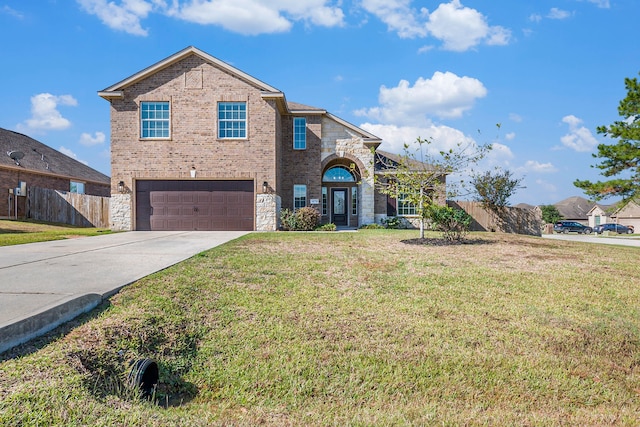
[199, 144]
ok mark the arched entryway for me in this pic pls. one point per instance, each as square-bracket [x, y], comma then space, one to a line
[340, 194]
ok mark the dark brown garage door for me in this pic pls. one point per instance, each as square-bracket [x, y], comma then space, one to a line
[194, 205]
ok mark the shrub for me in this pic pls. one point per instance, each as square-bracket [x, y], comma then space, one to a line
[288, 220]
[327, 227]
[392, 222]
[307, 218]
[304, 219]
[453, 223]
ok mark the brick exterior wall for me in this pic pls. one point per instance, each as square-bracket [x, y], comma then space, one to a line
[9, 178]
[193, 87]
[301, 166]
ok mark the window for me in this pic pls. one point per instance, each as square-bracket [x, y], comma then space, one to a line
[232, 120]
[405, 207]
[154, 119]
[299, 133]
[325, 201]
[354, 200]
[299, 196]
[338, 174]
[76, 187]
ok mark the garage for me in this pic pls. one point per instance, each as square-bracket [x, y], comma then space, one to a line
[174, 205]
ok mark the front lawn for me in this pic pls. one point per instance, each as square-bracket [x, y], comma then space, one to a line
[353, 329]
[20, 232]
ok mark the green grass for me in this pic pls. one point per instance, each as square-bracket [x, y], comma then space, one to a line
[354, 329]
[21, 232]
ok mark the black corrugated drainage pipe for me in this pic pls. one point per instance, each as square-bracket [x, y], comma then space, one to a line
[144, 375]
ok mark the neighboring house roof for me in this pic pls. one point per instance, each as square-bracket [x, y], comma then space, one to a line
[385, 160]
[526, 206]
[574, 207]
[42, 159]
[629, 210]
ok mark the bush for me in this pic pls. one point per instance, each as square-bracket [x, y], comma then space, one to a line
[453, 223]
[304, 219]
[392, 222]
[307, 218]
[288, 220]
[327, 227]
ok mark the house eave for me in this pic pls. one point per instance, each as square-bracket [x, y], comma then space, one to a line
[109, 95]
[53, 175]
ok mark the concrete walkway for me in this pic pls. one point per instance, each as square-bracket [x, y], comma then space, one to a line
[43, 285]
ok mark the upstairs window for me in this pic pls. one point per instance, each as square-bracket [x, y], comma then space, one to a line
[154, 119]
[232, 120]
[299, 133]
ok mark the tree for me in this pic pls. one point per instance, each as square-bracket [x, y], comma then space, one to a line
[621, 160]
[493, 189]
[418, 178]
[550, 214]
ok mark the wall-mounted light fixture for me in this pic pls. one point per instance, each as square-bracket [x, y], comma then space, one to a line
[265, 186]
[121, 187]
[193, 171]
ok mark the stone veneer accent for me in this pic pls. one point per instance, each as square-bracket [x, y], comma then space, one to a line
[120, 212]
[341, 141]
[267, 212]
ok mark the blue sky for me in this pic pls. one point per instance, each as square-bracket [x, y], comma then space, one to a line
[549, 72]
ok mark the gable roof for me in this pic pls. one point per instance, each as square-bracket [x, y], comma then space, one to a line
[42, 159]
[115, 91]
[574, 207]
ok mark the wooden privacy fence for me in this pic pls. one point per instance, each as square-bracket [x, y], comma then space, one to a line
[510, 220]
[62, 207]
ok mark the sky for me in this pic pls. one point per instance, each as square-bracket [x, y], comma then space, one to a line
[549, 72]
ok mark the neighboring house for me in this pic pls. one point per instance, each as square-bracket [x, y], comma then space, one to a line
[27, 163]
[628, 215]
[575, 209]
[599, 214]
[199, 144]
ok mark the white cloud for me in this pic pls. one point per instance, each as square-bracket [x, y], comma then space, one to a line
[9, 11]
[510, 136]
[249, 17]
[579, 137]
[546, 186]
[603, 4]
[87, 140]
[68, 152]
[444, 95]
[535, 17]
[515, 117]
[395, 137]
[537, 167]
[124, 15]
[556, 13]
[399, 17]
[461, 28]
[45, 114]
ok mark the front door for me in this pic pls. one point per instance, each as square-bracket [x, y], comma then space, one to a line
[339, 207]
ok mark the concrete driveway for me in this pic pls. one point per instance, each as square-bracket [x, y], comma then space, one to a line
[43, 285]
